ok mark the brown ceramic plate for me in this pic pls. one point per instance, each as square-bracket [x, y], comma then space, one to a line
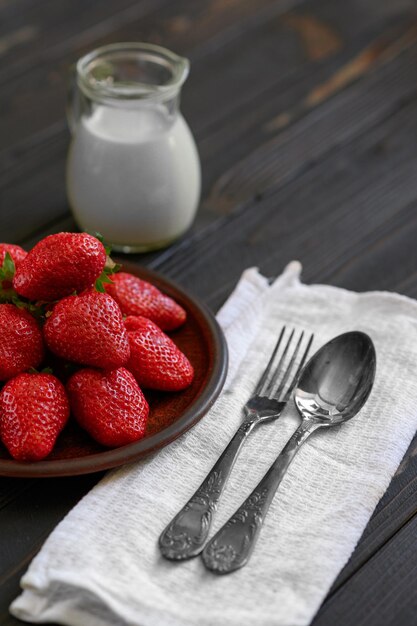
[171, 414]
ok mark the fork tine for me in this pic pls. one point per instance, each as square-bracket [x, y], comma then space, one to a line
[287, 372]
[264, 376]
[298, 372]
[269, 387]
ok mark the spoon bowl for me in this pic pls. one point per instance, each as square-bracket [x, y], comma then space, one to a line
[337, 380]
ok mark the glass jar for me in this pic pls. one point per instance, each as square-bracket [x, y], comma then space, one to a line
[133, 171]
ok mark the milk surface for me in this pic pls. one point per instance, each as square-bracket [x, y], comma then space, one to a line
[133, 175]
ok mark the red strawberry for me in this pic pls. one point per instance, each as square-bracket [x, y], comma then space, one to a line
[88, 329]
[109, 405]
[59, 265]
[138, 297]
[16, 252]
[21, 344]
[34, 408]
[155, 361]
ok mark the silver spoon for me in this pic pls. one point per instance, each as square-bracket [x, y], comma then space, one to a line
[333, 387]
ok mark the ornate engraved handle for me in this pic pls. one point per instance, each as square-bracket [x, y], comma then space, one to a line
[185, 536]
[233, 544]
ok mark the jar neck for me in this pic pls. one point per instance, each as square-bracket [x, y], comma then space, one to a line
[131, 73]
[127, 76]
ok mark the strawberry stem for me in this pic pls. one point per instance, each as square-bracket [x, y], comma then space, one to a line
[110, 267]
[9, 296]
[44, 370]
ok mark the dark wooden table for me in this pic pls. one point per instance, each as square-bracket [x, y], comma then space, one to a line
[305, 115]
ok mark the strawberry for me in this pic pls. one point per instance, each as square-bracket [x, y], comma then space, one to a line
[21, 343]
[59, 265]
[109, 405]
[138, 297]
[155, 361]
[34, 408]
[16, 252]
[88, 329]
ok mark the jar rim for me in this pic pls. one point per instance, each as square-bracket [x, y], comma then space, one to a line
[100, 89]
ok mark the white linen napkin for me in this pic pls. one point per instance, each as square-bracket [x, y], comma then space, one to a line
[101, 565]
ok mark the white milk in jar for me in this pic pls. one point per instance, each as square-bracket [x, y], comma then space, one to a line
[133, 172]
[133, 175]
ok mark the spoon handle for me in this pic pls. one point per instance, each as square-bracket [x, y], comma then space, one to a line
[186, 534]
[233, 544]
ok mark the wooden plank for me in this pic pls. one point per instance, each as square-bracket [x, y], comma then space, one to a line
[292, 157]
[383, 592]
[276, 53]
[275, 115]
[397, 507]
[287, 153]
[356, 208]
[34, 194]
[26, 522]
[51, 22]
[71, 24]
[9, 591]
[50, 28]
[11, 489]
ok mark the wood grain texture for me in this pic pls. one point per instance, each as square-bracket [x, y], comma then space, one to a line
[382, 593]
[356, 207]
[394, 511]
[305, 116]
[26, 522]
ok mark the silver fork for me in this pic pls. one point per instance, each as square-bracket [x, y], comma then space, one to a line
[185, 535]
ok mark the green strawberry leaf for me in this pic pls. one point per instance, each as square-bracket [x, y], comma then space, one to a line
[8, 269]
[9, 296]
[102, 280]
[44, 370]
[106, 275]
[18, 302]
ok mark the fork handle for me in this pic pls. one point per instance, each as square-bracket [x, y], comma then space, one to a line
[186, 534]
[233, 544]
